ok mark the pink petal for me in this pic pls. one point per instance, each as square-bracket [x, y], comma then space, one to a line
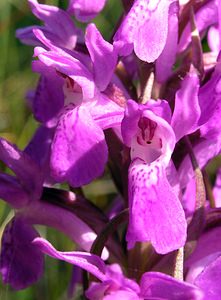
[79, 151]
[106, 112]
[187, 109]
[217, 189]
[70, 66]
[213, 38]
[27, 170]
[103, 57]
[167, 58]
[146, 27]
[21, 263]
[12, 192]
[156, 214]
[154, 284]
[89, 262]
[57, 21]
[151, 36]
[209, 280]
[48, 99]
[155, 109]
[85, 10]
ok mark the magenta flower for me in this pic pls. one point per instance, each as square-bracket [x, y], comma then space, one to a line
[151, 197]
[79, 150]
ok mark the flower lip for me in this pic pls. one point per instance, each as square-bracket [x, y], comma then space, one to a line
[135, 121]
[147, 143]
[147, 128]
[72, 92]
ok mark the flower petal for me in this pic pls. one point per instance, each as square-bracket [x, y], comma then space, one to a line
[189, 198]
[152, 35]
[39, 146]
[217, 189]
[154, 284]
[130, 122]
[209, 280]
[156, 214]
[207, 246]
[99, 50]
[49, 97]
[106, 112]
[116, 286]
[87, 261]
[85, 10]
[187, 110]
[167, 58]
[26, 35]
[204, 151]
[213, 38]
[12, 192]
[146, 27]
[134, 112]
[57, 21]
[127, 295]
[70, 66]
[209, 96]
[27, 171]
[21, 263]
[79, 150]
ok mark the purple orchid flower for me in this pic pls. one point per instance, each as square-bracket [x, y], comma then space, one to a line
[79, 151]
[85, 10]
[114, 285]
[24, 194]
[151, 198]
[147, 131]
[58, 26]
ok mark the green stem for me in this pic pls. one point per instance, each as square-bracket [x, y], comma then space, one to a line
[102, 238]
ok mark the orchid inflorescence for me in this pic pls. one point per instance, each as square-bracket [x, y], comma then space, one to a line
[143, 107]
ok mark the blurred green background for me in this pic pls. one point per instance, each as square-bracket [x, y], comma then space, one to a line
[17, 125]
